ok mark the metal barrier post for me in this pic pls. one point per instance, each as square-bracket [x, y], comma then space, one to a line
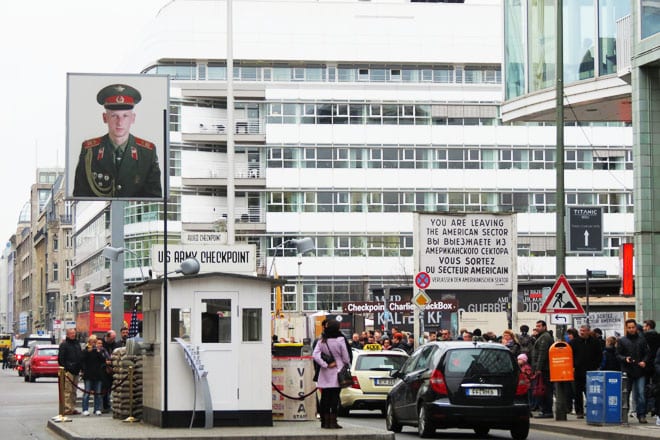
[61, 377]
[625, 406]
[130, 418]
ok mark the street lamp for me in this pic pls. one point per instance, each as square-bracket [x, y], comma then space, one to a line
[302, 245]
[113, 253]
[189, 266]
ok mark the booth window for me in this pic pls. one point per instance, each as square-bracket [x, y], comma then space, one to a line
[180, 320]
[216, 321]
[251, 325]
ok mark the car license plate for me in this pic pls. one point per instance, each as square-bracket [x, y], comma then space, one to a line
[483, 392]
[51, 362]
[384, 381]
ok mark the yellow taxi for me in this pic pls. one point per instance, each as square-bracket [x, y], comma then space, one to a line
[371, 378]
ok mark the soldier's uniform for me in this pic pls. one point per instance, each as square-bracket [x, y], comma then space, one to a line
[130, 170]
[103, 171]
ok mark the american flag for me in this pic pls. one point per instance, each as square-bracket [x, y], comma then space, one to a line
[133, 327]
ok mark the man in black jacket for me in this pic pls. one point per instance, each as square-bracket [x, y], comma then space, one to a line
[70, 357]
[632, 351]
[541, 364]
[652, 381]
[110, 344]
[587, 355]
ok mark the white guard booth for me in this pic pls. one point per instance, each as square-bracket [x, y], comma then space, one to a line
[222, 321]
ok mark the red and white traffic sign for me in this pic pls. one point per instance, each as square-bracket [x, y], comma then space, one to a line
[562, 299]
[422, 280]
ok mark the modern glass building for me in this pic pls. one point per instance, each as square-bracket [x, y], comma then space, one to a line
[591, 71]
[611, 58]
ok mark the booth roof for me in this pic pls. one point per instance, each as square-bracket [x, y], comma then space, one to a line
[156, 281]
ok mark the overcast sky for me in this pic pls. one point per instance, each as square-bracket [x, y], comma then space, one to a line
[42, 40]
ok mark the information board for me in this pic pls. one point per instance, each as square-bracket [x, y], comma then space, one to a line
[585, 229]
[466, 251]
[236, 258]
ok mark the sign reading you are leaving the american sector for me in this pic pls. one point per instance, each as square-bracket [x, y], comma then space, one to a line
[466, 251]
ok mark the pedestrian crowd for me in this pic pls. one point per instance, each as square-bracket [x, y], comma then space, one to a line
[91, 363]
[636, 353]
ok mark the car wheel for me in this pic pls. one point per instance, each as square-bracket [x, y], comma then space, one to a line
[520, 431]
[20, 373]
[390, 419]
[481, 431]
[425, 427]
[32, 377]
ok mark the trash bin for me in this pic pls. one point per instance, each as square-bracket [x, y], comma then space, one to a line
[560, 358]
[603, 397]
[293, 378]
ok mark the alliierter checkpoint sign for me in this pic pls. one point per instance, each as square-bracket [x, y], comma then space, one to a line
[466, 251]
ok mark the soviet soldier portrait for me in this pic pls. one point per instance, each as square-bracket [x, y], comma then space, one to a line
[118, 164]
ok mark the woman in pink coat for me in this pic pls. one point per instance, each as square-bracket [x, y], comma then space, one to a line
[333, 344]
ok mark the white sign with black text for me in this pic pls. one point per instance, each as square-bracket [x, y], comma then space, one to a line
[610, 323]
[466, 251]
[237, 258]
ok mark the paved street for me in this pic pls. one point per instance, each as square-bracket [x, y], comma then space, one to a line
[25, 410]
[26, 407]
[373, 419]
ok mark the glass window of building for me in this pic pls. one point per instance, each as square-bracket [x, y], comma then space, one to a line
[541, 23]
[650, 18]
[609, 11]
[579, 34]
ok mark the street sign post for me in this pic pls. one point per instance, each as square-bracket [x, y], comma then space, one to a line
[562, 299]
[585, 229]
[422, 280]
[421, 299]
[560, 319]
[591, 274]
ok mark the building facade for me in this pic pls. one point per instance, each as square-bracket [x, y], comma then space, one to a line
[345, 123]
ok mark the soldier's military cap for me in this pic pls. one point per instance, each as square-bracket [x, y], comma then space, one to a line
[118, 97]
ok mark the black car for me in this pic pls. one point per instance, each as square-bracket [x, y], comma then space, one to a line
[473, 385]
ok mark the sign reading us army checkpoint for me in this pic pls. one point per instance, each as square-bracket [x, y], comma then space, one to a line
[466, 251]
[237, 258]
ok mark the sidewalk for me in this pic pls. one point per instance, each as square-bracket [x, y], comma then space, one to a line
[107, 428]
[580, 428]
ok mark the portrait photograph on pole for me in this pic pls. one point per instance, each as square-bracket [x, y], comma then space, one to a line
[116, 138]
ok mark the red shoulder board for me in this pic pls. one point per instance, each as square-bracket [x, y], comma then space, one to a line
[144, 144]
[92, 143]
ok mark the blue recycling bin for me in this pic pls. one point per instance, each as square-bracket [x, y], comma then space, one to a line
[603, 397]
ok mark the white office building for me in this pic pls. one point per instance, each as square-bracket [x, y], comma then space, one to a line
[348, 117]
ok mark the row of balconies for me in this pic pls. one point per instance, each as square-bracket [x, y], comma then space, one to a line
[211, 129]
[219, 126]
[202, 168]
